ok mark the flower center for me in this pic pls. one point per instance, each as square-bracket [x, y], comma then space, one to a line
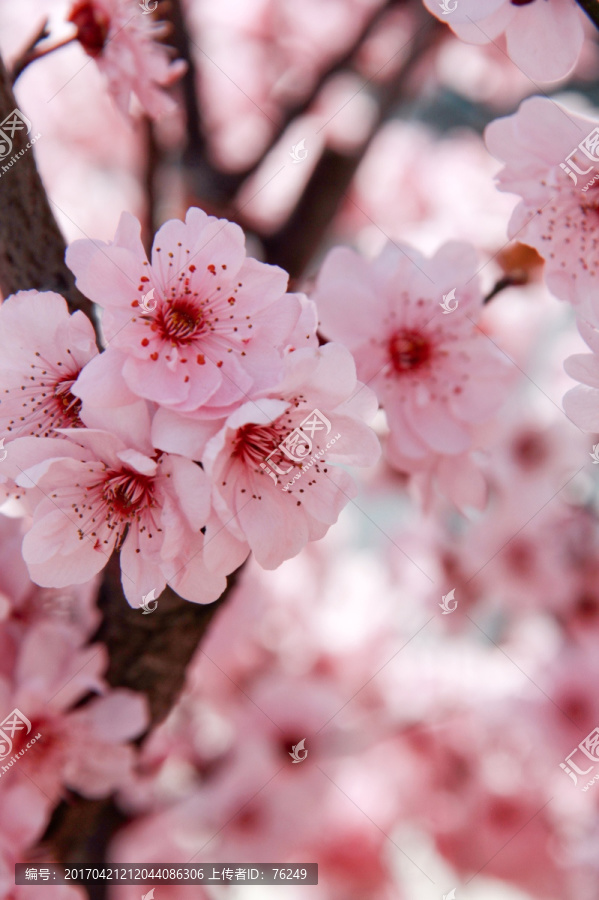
[179, 322]
[126, 494]
[409, 350]
[92, 26]
[69, 405]
[255, 442]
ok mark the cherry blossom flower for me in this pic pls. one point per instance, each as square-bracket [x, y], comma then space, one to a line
[279, 501]
[48, 679]
[581, 403]
[122, 42]
[435, 375]
[543, 39]
[42, 351]
[214, 324]
[556, 216]
[102, 495]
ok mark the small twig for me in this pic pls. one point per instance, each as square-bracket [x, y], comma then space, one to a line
[591, 8]
[35, 51]
[514, 279]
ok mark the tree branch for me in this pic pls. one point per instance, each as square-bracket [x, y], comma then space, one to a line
[591, 8]
[32, 247]
[294, 245]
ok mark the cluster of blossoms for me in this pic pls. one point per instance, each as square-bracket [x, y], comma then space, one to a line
[61, 744]
[551, 159]
[165, 445]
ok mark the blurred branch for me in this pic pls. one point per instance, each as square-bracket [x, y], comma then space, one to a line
[591, 8]
[514, 279]
[32, 247]
[294, 245]
[210, 185]
[35, 51]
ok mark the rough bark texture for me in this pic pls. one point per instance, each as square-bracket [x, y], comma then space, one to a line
[31, 244]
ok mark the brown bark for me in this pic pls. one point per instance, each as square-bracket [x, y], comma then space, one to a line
[32, 247]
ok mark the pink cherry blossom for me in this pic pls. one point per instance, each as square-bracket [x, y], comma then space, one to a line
[49, 677]
[543, 39]
[557, 214]
[214, 324]
[436, 375]
[582, 402]
[102, 495]
[275, 502]
[122, 42]
[42, 351]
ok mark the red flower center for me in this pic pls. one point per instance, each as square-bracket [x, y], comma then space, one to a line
[179, 322]
[126, 494]
[254, 443]
[409, 350]
[68, 403]
[92, 26]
